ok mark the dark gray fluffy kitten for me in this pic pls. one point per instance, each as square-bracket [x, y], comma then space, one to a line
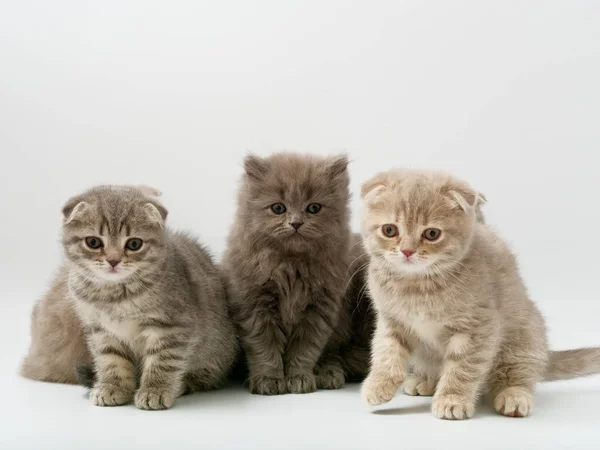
[291, 260]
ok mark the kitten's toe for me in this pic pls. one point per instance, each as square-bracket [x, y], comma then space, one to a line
[267, 385]
[330, 379]
[154, 398]
[376, 391]
[453, 407]
[110, 395]
[514, 402]
[418, 386]
[303, 383]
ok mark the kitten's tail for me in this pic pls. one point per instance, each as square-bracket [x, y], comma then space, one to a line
[86, 374]
[567, 364]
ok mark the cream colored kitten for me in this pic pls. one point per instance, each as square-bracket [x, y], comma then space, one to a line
[450, 302]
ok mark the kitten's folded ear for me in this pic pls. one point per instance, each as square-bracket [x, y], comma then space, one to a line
[156, 213]
[74, 210]
[371, 187]
[467, 198]
[337, 165]
[255, 166]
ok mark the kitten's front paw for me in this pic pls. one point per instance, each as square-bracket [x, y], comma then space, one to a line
[110, 395]
[418, 386]
[514, 402]
[453, 407]
[330, 379]
[154, 398]
[267, 385]
[302, 383]
[376, 391]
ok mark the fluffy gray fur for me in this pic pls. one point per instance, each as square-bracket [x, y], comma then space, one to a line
[157, 323]
[293, 295]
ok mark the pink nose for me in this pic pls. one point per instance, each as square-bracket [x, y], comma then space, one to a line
[408, 253]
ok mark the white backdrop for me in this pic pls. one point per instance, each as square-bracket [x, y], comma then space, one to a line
[174, 94]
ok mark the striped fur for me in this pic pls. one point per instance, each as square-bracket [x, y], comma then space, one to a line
[157, 324]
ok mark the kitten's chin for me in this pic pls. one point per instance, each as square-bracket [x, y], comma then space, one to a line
[107, 276]
[404, 266]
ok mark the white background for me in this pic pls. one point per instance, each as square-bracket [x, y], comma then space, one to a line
[174, 94]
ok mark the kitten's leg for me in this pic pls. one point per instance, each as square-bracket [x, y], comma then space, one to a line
[513, 379]
[423, 375]
[307, 342]
[330, 371]
[390, 352]
[115, 383]
[467, 361]
[263, 342]
[165, 359]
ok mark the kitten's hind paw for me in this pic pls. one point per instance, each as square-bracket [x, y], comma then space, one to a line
[418, 386]
[154, 398]
[267, 385]
[514, 401]
[453, 407]
[110, 395]
[301, 383]
[330, 379]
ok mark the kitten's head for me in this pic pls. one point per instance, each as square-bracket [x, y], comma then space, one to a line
[418, 221]
[113, 233]
[295, 199]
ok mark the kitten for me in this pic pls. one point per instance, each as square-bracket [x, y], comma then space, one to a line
[58, 345]
[153, 303]
[450, 302]
[58, 342]
[289, 259]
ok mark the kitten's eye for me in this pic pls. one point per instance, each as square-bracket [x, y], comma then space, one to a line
[93, 242]
[313, 208]
[432, 234]
[389, 230]
[133, 244]
[278, 208]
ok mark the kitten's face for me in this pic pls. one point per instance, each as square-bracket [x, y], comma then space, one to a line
[113, 233]
[418, 222]
[294, 198]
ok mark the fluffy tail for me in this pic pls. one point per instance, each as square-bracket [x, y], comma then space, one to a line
[86, 374]
[567, 364]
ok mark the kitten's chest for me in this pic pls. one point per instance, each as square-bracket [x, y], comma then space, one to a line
[293, 281]
[122, 321]
[422, 315]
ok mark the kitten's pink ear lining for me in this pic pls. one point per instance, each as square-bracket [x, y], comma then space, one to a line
[156, 213]
[73, 210]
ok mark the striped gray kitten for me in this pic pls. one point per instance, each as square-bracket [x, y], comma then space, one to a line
[152, 301]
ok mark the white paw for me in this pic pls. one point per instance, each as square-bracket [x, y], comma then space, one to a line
[514, 402]
[110, 395]
[453, 407]
[154, 398]
[376, 391]
[418, 386]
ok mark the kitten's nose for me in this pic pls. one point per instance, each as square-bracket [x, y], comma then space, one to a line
[296, 225]
[408, 253]
[113, 262]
